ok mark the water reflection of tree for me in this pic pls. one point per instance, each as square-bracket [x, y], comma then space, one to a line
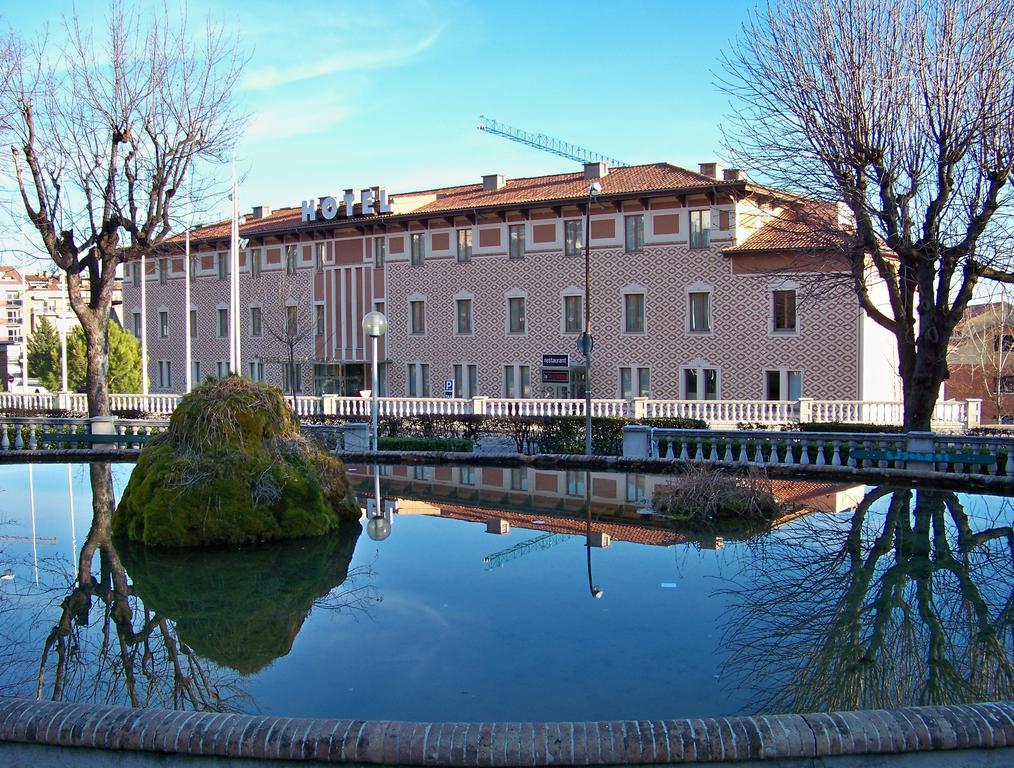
[913, 606]
[108, 645]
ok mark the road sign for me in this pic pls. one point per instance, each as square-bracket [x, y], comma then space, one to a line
[556, 361]
[448, 387]
[585, 344]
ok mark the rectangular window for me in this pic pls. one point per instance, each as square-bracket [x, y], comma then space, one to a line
[379, 252]
[256, 322]
[635, 382]
[517, 382]
[165, 374]
[519, 478]
[572, 314]
[223, 322]
[135, 274]
[412, 380]
[700, 383]
[464, 315]
[633, 233]
[223, 265]
[137, 324]
[466, 475]
[293, 378]
[783, 311]
[516, 238]
[222, 369]
[700, 312]
[318, 322]
[573, 237]
[256, 370]
[163, 324]
[465, 245]
[418, 248]
[254, 256]
[290, 259]
[466, 381]
[417, 317]
[291, 321]
[1005, 384]
[783, 385]
[636, 488]
[163, 271]
[195, 371]
[194, 263]
[575, 482]
[700, 229]
[418, 380]
[424, 375]
[633, 313]
[318, 256]
[516, 314]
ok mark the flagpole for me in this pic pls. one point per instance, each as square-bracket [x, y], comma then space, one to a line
[234, 348]
[188, 365]
[144, 330]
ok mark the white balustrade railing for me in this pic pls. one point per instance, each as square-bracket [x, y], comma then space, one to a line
[928, 452]
[722, 414]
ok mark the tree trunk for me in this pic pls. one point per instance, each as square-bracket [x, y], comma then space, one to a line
[96, 332]
[921, 382]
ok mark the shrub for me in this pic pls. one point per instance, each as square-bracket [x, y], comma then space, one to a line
[674, 422]
[565, 434]
[423, 444]
[837, 426]
[702, 498]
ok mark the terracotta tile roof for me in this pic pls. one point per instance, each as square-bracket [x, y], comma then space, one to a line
[557, 188]
[10, 274]
[570, 526]
[808, 228]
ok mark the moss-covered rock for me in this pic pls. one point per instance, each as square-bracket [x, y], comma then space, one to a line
[232, 468]
[241, 608]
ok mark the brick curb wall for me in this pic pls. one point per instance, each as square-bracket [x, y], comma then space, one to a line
[908, 730]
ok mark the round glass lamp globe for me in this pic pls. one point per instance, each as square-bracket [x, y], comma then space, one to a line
[375, 324]
[378, 528]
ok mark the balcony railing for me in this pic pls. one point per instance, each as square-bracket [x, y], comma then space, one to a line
[949, 415]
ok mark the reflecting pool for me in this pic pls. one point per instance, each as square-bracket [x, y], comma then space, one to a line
[490, 593]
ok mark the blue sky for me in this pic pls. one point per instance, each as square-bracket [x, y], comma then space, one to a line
[352, 94]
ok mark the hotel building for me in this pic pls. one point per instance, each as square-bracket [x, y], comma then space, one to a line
[698, 290]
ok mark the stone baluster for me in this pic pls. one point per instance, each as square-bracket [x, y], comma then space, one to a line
[836, 454]
[19, 442]
[31, 437]
[684, 456]
[743, 458]
[5, 442]
[804, 451]
[728, 452]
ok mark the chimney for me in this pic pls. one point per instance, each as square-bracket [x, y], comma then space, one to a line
[596, 170]
[492, 182]
[733, 174]
[261, 211]
[711, 169]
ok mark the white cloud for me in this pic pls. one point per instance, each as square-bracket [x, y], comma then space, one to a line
[297, 117]
[346, 61]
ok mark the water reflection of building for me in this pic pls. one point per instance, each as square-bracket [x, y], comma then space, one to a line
[557, 500]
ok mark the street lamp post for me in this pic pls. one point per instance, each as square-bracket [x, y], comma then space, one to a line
[586, 338]
[374, 326]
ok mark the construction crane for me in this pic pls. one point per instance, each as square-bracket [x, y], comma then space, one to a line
[545, 143]
[522, 548]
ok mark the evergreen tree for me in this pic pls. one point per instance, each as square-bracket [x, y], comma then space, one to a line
[124, 360]
[44, 355]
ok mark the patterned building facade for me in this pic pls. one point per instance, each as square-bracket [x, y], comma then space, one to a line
[698, 289]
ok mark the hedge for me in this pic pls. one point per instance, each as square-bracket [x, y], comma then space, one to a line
[423, 444]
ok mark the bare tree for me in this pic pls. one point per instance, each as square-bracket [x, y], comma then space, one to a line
[105, 133]
[982, 353]
[904, 111]
[290, 324]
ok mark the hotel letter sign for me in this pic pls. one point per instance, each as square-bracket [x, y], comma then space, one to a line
[371, 200]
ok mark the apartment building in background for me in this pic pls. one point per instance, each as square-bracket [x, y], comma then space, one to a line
[699, 289]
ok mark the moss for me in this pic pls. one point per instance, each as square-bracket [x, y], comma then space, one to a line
[231, 469]
[208, 594]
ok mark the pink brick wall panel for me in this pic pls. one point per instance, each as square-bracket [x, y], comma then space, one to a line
[826, 349]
